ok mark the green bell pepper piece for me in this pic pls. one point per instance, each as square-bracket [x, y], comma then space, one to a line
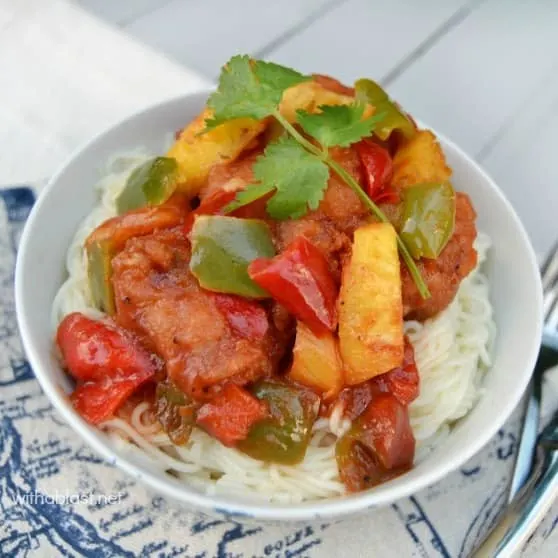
[394, 118]
[175, 412]
[428, 218]
[284, 437]
[152, 183]
[99, 271]
[222, 249]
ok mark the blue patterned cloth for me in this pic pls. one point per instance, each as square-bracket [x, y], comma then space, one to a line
[58, 498]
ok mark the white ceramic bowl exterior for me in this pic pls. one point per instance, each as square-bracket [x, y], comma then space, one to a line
[515, 294]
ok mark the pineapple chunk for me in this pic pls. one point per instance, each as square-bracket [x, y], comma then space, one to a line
[316, 362]
[197, 154]
[370, 306]
[420, 160]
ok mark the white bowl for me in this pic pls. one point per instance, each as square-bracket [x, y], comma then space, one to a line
[515, 294]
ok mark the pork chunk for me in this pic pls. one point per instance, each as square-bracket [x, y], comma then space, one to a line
[158, 298]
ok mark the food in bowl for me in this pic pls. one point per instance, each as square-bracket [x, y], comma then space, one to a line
[289, 303]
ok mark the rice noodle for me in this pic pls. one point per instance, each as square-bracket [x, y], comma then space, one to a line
[452, 352]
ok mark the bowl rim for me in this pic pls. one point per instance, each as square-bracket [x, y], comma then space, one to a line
[226, 505]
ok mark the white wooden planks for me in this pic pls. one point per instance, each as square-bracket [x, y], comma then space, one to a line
[365, 37]
[203, 35]
[476, 77]
[121, 11]
[524, 163]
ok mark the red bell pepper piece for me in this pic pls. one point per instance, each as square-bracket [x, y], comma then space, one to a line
[378, 169]
[300, 280]
[246, 317]
[108, 363]
[379, 445]
[403, 381]
[98, 401]
[216, 202]
[93, 350]
[213, 204]
[230, 415]
[389, 432]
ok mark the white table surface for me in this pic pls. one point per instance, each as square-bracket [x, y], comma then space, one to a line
[483, 72]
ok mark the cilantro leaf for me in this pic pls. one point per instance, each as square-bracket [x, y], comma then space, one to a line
[249, 89]
[338, 124]
[252, 193]
[298, 177]
[277, 78]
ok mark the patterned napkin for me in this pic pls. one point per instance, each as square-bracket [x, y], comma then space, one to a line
[58, 498]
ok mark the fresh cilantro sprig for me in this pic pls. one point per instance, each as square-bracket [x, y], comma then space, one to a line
[249, 89]
[293, 169]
